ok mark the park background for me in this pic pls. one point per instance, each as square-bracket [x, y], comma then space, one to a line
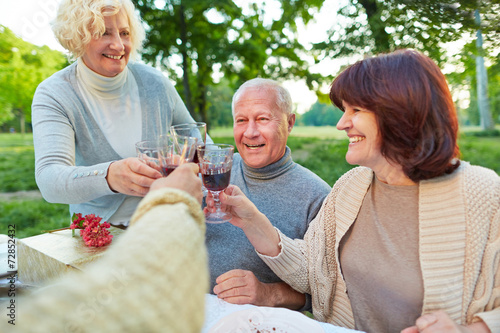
[209, 47]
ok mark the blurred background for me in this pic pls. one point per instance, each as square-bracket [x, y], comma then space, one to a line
[207, 48]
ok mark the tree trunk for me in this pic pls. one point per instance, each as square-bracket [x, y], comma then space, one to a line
[482, 81]
[185, 62]
[377, 26]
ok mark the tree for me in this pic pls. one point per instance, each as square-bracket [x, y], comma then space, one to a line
[374, 26]
[216, 37]
[22, 67]
[321, 115]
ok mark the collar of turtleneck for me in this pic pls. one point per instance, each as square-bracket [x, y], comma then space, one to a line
[102, 86]
[272, 170]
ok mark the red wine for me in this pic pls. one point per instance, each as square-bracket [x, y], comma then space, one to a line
[216, 182]
[195, 158]
[168, 170]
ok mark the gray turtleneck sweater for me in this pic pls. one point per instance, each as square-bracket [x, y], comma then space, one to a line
[287, 193]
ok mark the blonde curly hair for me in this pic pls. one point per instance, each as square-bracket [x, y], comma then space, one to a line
[80, 21]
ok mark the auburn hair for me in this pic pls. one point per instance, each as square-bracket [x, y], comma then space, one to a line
[413, 107]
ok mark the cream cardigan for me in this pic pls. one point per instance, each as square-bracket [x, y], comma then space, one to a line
[459, 217]
[153, 278]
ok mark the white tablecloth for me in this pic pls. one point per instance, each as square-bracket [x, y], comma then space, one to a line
[224, 317]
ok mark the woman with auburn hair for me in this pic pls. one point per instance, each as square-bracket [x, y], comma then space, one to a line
[88, 116]
[409, 240]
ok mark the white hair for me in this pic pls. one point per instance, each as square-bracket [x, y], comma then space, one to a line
[283, 99]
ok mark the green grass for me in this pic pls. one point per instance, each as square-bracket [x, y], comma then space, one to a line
[32, 216]
[320, 149]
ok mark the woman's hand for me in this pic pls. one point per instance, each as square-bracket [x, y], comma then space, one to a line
[131, 176]
[439, 321]
[259, 231]
[234, 201]
[184, 177]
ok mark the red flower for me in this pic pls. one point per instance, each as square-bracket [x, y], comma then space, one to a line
[93, 232]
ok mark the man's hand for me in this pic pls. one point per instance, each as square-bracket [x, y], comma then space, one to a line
[131, 176]
[439, 321]
[242, 287]
[184, 177]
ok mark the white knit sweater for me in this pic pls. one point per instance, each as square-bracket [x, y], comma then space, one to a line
[459, 216]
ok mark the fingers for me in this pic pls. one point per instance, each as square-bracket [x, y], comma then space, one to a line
[412, 329]
[437, 321]
[185, 177]
[426, 321]
[150, 170]
[236, 286]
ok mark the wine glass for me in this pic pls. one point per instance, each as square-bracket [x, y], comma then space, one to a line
[197, 130]
[174, 150]
[216, 161]
[147, 152]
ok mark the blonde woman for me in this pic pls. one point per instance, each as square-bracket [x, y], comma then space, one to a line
[88, 116]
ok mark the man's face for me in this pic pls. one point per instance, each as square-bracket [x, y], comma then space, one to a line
[260, 129]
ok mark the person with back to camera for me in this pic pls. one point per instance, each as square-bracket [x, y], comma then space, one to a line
[410, 240]
[279, 187]
[88, 116]
[153, 278]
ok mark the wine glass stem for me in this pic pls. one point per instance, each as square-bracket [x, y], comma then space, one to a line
[215, 195]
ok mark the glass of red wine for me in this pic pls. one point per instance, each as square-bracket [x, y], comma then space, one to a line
[174, 150]
[197, 130]
[216, 161]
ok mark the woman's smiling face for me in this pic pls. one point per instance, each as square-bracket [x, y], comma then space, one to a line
[109, 54]
[361, 127]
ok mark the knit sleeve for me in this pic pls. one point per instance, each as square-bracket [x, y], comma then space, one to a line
[290, 264]
[487, 295]
[56, 174]
[153, 278]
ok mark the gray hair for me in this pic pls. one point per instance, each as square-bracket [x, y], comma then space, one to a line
[283, 99]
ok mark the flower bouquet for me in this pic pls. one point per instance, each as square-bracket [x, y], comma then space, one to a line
[93, 232]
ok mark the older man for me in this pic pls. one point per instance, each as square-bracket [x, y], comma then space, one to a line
[287, 193]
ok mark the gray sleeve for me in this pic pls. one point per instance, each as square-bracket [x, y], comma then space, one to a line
[181, 114]
[57, 177]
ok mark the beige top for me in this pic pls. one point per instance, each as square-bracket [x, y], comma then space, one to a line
[379, 260]
[459, 238]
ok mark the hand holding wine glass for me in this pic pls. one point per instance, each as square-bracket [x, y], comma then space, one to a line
[216, 161]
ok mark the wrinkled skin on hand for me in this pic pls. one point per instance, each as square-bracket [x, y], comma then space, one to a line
[131, 176]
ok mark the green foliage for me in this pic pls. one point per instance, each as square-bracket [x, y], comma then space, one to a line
[321, 115]
[22, 67]
[327, 160]
[375, 26]
[217, 37]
